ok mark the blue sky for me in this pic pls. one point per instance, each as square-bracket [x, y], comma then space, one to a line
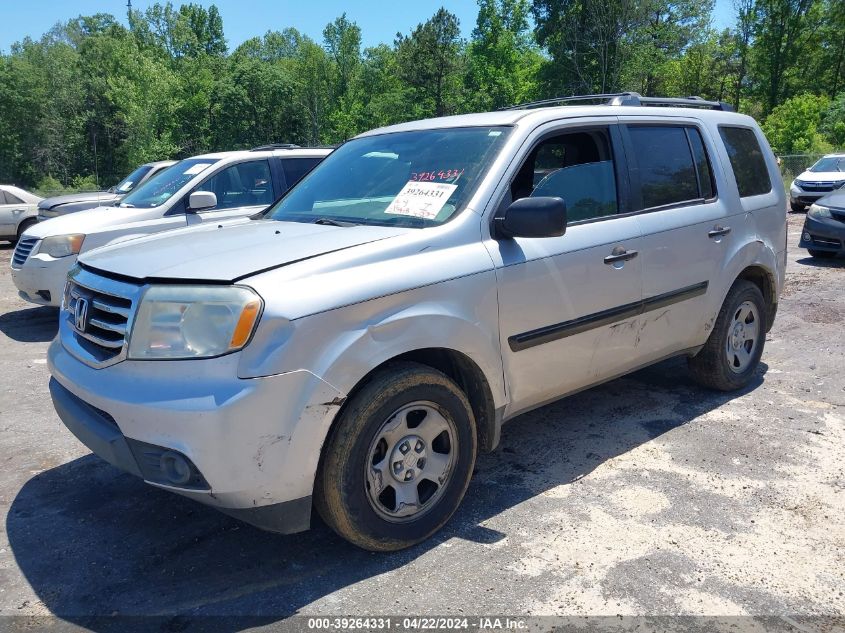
[379, 19]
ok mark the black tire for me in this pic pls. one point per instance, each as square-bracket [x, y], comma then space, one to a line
[22, 229]
[821, 254]
[797, 207]
[711, 367]
[341, 489]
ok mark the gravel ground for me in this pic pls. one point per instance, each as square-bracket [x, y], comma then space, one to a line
[646, 496]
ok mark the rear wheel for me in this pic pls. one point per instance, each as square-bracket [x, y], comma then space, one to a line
[797, 207]
[821, 254]
[731, 354]
[399, 460]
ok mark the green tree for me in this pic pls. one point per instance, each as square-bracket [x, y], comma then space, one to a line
[832, 124]
[793, 126]
[313, 72]
[502, 61]
[784, 29]
[429, 61]
[342, 41]
[664, 30]
[385, 98]
[586, 41]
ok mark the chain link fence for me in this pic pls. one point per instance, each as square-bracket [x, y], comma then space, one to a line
[793, 164]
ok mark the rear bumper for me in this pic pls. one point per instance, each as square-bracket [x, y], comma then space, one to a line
[823, 235]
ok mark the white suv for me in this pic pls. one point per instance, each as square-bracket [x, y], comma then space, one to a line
[827, 174]
[207, 188]
[427, 282]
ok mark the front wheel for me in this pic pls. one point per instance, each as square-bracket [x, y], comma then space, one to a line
[797, 207]
[821, 254]
[398, 461]
[731, 354]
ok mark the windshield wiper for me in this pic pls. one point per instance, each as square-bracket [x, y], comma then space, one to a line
[332, 222]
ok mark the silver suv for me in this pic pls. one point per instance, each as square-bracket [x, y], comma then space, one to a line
[356, 346]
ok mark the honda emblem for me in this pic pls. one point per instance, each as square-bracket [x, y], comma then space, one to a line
[80, 314]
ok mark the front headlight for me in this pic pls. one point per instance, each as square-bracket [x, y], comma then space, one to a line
[193, 321]
[817, 211]
[62, 245]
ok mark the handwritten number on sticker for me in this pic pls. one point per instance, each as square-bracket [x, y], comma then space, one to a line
[435, 175]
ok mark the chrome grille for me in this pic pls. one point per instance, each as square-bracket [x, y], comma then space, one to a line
[96, 317]
[818, 186]
[22, 250]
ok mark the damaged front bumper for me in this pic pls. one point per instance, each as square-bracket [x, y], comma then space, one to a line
[249, 447]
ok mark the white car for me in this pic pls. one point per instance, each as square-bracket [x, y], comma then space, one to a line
[826, 175]
[207, 188]
[355, 348]
[18, 212]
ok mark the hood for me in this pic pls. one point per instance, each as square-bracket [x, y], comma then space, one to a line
[835, 200]
[821, 176]
[95, 197]
[230, 252]
[90, 220]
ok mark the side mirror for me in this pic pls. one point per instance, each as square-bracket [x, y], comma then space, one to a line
[200, 200]
[532, 217]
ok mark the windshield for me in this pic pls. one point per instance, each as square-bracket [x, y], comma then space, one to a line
[128, 184]
[830, 163]
[416, 179]
[161, 187]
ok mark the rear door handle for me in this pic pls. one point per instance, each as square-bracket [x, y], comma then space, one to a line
[719, 231]
[620, 255]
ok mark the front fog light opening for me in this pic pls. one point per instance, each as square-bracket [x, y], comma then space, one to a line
[175, 468]
[807, 237]
[167, 466]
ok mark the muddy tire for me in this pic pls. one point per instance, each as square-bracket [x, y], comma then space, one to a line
[821, 254]
[731, 354]
[397, 463]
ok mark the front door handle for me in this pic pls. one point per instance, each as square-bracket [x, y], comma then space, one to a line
[619, 254]
[719, 231]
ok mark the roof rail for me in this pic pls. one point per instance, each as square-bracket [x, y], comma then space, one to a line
[628, 99]
[269, 146]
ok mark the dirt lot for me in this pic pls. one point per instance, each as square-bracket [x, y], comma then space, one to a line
[645, 496]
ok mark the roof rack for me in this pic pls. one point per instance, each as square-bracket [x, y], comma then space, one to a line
[269, 146]
[628, 99]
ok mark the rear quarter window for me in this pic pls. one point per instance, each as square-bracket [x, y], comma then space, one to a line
[10, 199]
[747, 161]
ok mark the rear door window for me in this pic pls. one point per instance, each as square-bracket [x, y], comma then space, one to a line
[296, 168]
[667, 171]
[10, 198]
[746, 156]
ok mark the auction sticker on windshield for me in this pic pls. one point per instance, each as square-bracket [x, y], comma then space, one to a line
[421, 199]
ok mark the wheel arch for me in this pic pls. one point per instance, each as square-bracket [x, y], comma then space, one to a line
[460, 368]
[24, 224]
[757, 263]
[764, 279]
